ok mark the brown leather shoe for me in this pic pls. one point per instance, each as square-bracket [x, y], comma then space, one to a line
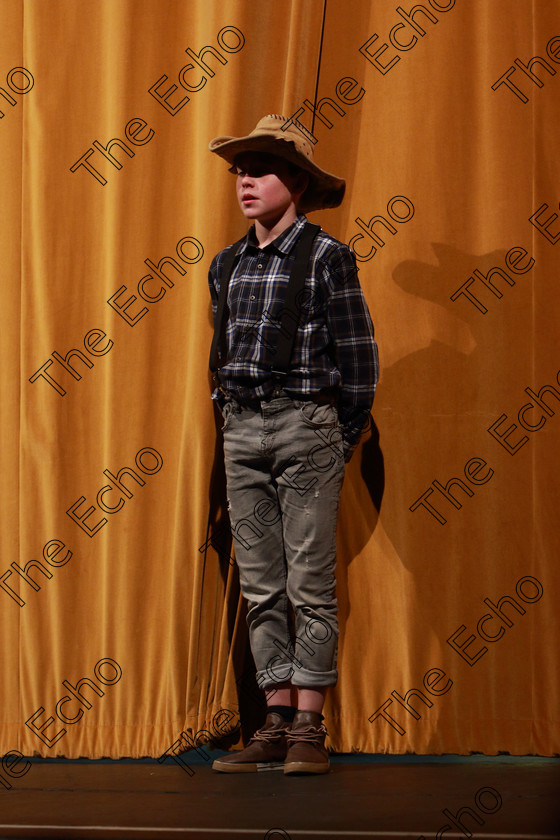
[266, 750]
[306, 745]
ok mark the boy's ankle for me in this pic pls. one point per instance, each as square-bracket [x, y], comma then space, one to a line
[287, 712]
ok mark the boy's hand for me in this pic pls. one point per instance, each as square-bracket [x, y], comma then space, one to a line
[348, 450]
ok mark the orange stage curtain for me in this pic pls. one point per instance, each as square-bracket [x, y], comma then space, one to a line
[443, 118]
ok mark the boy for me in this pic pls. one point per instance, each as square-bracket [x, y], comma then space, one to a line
[296, 376]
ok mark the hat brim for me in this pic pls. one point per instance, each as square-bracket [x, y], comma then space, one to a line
[324, 191]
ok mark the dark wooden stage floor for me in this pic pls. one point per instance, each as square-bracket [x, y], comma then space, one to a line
[411, 797]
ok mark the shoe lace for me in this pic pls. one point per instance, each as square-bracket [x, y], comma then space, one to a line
[310, 733]
[270, 736]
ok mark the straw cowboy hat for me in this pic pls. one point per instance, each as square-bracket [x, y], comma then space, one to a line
[282, 137]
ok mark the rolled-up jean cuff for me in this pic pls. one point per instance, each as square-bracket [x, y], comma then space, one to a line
[300, 677]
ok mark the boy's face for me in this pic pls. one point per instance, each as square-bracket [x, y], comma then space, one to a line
[266, 189]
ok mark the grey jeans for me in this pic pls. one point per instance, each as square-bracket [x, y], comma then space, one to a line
[285, 468]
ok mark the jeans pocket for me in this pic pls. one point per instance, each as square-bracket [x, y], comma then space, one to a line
[319, 416]
[227, 413]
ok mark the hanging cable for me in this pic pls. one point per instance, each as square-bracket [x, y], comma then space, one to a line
[319, 66]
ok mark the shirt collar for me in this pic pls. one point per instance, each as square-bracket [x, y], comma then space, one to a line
[283, 243]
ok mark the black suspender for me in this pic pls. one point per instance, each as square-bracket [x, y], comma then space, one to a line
[218, 349]
[289, 319]
[290, 313]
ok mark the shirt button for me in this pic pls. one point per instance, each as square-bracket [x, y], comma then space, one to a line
[259, 265]
[253, 297]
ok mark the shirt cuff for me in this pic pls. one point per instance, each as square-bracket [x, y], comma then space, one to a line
[354, 424]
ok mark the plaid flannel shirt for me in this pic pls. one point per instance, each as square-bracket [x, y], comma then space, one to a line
[334, 348]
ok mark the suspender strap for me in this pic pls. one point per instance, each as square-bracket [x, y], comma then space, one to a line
[291, 311]
[290, 316]
[217, 351]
